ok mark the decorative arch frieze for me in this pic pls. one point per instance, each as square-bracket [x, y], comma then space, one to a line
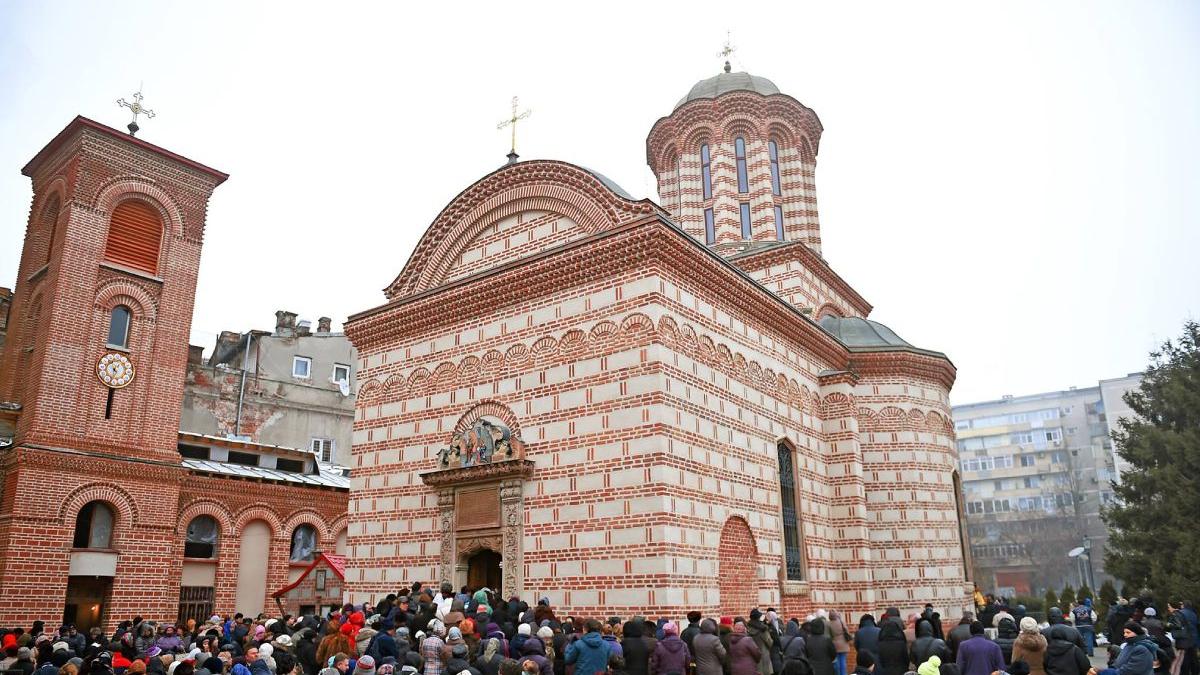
[205, 507]
[124, 506]
[119, 189]
[258, 512]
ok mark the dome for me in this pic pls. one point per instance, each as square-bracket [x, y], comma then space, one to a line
[726, 82]
[863, 333]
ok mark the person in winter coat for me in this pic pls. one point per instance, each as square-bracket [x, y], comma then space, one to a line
[819, 649]
[1139, 653]
[864, 663]
[744, 653]
[709, 653]
[1030, 647]
[792, 643]
[866, 638]
[689, 634]
[523, 633]
[926, 645]
[635, 649]
[671, 655]
[490, 657]
[979, 655]
[1006, 635]
[841, 640]
[334, 642]
[145, 638]
[893, 650]
[959, 634]
[1063, 656]
[589, 653]
[758, 631]
[534, 650]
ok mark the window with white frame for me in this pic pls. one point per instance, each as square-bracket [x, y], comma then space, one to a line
[341, 373]
[301, 367]
[323, 448]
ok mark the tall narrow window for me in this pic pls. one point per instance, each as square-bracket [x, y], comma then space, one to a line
[745, 208]
[706, 171]
[118, 327]
[779, 222]
[793, 555]
[710, 228]
[50, 225]
[739, 152]
[304, 543]
[678, 186]
[774, 148]
[134, 236]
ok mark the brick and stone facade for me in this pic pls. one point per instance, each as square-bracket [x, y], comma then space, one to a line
[80, 445]
[653, 386]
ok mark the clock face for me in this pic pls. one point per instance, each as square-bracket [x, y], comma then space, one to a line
[115, 370]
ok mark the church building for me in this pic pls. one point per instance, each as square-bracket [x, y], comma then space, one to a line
[639, 407]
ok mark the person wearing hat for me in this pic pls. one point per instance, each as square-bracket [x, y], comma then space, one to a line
[760, 632]
[432, 648]
[1030, 646]
[364, 666]
[1064, 656]
[671, 654]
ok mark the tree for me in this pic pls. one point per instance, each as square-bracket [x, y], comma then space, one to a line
[1051, 599]
[1153, 540]
[1108, 598]
[1082, 593]
[1066, 598]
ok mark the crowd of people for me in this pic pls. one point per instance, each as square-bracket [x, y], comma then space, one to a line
[440, 632]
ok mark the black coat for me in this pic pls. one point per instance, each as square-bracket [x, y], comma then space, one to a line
[893, 651]
[636, 651]
[820, 652]
[1063, 656]
[1006, 635]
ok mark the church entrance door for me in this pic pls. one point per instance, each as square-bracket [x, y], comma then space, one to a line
[483, 569]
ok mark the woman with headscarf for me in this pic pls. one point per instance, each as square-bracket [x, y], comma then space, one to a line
[490, 657]
[744, 653]
[893, 650]
[792, 642]
[866, 638]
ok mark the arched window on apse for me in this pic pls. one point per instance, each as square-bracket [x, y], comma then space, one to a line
[739, 153]
[94, 526]
[134, 236]
[203, 534]
[773, 148]
[793, 548]
[304, 543]
[118, 327]
[706, 171]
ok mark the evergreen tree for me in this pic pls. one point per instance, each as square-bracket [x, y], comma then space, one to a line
[1153, 539]
[1083, 592]
[1066, 598]
[1108, 598]
[1051, 599]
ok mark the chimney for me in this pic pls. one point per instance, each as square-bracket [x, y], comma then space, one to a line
[285, 323]
[195, 355]
[304, 328]
[323, 324]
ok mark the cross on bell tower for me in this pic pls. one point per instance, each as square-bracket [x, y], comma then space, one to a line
[137, 108]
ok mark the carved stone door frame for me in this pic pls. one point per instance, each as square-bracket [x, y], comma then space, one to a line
[509, 478]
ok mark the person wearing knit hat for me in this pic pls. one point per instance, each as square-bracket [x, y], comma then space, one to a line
[365, 665]
[545, 633]
[138, 667]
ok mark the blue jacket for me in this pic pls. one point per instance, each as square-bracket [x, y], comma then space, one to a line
[1137, 656]
[589, 654]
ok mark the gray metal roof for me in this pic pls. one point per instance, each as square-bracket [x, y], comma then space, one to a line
[858, 332]
[610, 184]
[724, 83]
[329, 476]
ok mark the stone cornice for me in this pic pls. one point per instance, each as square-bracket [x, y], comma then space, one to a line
[479, 473]
[925, 366]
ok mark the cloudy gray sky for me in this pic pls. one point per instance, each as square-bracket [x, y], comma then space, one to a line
[1015, 184]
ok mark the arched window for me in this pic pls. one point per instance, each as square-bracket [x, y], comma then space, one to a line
[50, 226]
[304, 543]
[202, 536]
[134, 236]
[94, 526]
[774, 150]
[779, 222]
[739, 152]
[706, 171]
[118, 327]
[710, 227]
[792, 550]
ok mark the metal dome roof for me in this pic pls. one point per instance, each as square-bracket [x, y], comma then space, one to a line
[857, 332]
[726, 82]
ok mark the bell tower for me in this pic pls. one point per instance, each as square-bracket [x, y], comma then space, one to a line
[735, 162]
[97, 344]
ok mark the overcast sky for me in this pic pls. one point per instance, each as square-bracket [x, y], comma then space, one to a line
[1015, 184]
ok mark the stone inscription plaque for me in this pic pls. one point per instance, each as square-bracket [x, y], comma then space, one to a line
[478, 508]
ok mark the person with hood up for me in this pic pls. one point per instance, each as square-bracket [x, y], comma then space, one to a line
[841, 639]
[819, 649]
[760, 632]
[535, 650]
[1030, 647]
[306, 651]
[1063, 655]
[709, 653]
[744, 653]
[518, 640]
[931, 666]
[635, 648]
[144, 639]
[979, 655]
[792, 643]
[1006, 635]
[671, 655]
[866, 638]
[926, 645]
[458, 661]
[24, 662]
[893, 650]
